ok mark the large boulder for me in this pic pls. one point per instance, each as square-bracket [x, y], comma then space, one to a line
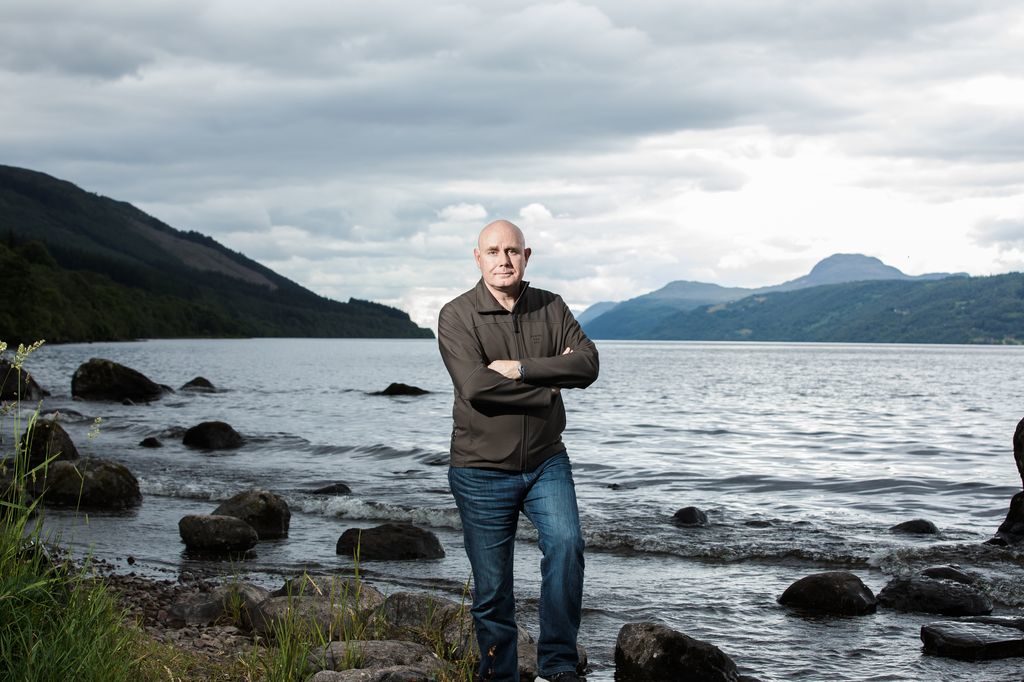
[18, 384]
[975, 639]
[209, 534]
[88, 483]
[344, 609]
[838, 592]
[212, 435]
[430, 620]
[1011, 530]
[101, 379]
[390, 542]
[266, 512]
[921, 594]
[648, 652]
[47, 439]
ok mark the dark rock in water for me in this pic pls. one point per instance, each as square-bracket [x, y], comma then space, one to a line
[916, 527]
[48, 439]
[402, 389]
[265, 511]
[213, 435]
[975, 639]
[1011, 531]
[648, 652]
[89, 483]
[107, 380]
[151, 442]
[18, 384]
[949, 573]
[333, 489]
[390, 542]
[690, 516]
[1018, 449]
[927, 595]
[838, 592]
[206, 533]
[199, 385]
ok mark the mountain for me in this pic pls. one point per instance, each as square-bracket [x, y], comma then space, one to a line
[641, 317]
[949, 310]
[76, 266]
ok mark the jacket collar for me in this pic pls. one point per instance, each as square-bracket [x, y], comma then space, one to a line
[485, 301]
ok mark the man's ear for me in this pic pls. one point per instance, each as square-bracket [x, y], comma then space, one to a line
[476, 256]
[526, 252]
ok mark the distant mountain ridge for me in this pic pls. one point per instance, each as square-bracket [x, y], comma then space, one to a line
[92, 268]
[643, 317]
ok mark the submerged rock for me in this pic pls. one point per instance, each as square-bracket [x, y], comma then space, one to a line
[690, 516]
[838, 592]
[101, 379]
[265, 511]
[151, 442]
[648, 652]
[210, 534]
[927, 595]
[402, 389]
[1011, 530]
[950, 573]
[199, 385]
[390, 542]
[338, 488]
[213, 435]
[916, 527]
[975, 639]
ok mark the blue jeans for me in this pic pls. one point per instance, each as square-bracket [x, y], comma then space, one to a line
[489, 503]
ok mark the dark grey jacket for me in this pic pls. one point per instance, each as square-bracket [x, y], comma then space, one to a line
[500, 423]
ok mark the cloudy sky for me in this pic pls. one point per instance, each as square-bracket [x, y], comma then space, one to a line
[358, 147]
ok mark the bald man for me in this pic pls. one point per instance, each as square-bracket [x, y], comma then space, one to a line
[510, 349]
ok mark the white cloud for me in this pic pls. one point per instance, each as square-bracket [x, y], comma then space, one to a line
[359, 148]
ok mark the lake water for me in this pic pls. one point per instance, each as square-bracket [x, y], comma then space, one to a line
[802, 455]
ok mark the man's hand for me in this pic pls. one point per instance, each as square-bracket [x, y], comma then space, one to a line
[507, 368]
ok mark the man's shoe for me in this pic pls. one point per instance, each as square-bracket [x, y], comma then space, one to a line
[568, 677]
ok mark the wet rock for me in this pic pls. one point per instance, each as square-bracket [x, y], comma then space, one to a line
[207, 533]
[212, 435]
[916, 527]
[199, 385]
[89, 483]
[48, 439]
[928, 595]
[1018, 449]
[333, 489]
[648, 652]
[390, 542]
[949, 573]
[265, 511]
[975, 639]
[690, 516]
[402, 389]
[344, 610]
[101, 379]
[151, 442]
[838, 592]
[18, 384]
[412, 659]
[1011, 531]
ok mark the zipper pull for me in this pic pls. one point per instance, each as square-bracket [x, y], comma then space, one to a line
[515, 323]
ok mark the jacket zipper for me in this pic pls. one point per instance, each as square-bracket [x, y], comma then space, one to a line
[520, 351]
